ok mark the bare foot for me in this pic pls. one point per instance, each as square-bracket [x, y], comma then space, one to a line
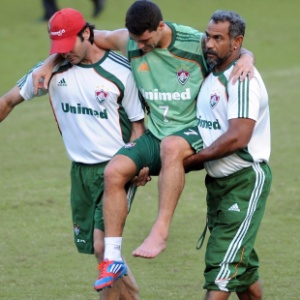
[151, 247]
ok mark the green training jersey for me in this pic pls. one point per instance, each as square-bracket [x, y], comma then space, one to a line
[169, 79]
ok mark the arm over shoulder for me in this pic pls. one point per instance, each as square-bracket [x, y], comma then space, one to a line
[113, 40]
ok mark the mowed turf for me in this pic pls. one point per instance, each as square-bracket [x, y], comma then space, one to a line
[38, 259]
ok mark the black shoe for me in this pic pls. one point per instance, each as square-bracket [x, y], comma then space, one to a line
[98, 7]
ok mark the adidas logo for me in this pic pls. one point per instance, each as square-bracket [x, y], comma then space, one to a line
[234, 207]
[191, 132]
[115, 268]
[144, 67]
[62, 82]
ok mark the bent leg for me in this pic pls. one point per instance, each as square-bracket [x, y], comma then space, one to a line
[117, 173]
[174, 149]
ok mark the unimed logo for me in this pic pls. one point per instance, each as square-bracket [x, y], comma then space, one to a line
[156, 95]
[81, 110]
[208, 124]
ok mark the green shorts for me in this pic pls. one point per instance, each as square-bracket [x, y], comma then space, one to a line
[235, 207]
[145, 151]
[192, 136]
[87, 185]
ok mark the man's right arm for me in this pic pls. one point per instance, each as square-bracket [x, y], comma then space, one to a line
[113, 40]
[23, 90]
[9, 101]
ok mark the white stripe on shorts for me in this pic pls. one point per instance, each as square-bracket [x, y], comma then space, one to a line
[224, 275]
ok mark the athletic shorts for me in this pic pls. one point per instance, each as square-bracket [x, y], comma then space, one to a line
[145, 151]
[236, 205]
[87, 185]
[192, 136]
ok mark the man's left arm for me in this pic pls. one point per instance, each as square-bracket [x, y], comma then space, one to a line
[133, 108]
[137, 129]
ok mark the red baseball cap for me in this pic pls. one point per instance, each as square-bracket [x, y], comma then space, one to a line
[63, 28]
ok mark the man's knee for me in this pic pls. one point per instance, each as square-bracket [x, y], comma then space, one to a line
[175, 147]
[253, 292]
[119, 171]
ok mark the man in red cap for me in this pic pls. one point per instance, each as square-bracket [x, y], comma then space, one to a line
[64, 27]
[97, 108]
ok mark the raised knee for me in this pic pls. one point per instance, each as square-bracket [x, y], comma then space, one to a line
[109, 170]
[169, 146]
[113, 175]
[119, 171]
[174, 148]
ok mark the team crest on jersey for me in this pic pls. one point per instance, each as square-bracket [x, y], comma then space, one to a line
[214, 100]
[129, 145]
[183, 76]
[76, 229]
[101, 96]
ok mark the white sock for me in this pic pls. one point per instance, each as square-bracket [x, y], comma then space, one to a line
[113, 248]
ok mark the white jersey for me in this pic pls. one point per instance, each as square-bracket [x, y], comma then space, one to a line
[220, 101]
[93, 105]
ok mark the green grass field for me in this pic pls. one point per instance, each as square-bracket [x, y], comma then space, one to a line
[37, 257]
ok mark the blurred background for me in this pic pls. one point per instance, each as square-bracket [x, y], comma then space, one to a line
[37, 257]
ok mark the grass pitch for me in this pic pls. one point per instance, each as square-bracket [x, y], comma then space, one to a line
[37, 257]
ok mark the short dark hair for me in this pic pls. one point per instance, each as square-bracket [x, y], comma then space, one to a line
[91, 27]
[237, 23]
[143, 15]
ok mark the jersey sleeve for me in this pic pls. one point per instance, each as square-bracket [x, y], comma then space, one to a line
[244, 99]
[131, 102]
[26, 85]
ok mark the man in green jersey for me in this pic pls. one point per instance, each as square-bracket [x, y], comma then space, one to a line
[168, 66]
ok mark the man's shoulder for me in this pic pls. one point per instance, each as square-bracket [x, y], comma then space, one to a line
[120, 61]
[184, 29]
[185, 38]
[62, 67]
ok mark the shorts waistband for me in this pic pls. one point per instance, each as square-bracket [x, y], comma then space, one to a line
[240, 172]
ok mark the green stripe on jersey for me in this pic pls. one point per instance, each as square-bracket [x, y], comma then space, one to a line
[244, 154]
[124, 121]
[120, 59]
[224, 81]
[21, 81]
[243, 98]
